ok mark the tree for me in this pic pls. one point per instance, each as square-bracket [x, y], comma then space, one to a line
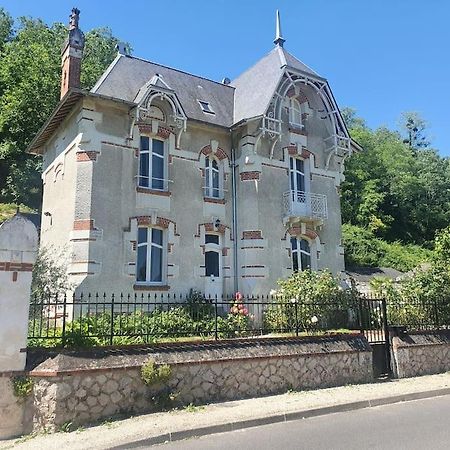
[412, 124]
[30, 72]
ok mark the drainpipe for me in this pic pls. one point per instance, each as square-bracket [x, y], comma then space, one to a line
[234, 220]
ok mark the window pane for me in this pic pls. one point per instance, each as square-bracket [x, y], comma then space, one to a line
[144, 142]
[304, 245]
[156, 267]
[158, 147]
[300, 165]
[295, 261]
[214, 164]
[306, 261]
[291, 163]
[293, 243]
[141, 265]
[143, 169]
[215, 184]
[157, 236]
[142, 235]
[211, 239]
[207, 162]
[300, 182]
[157, 172]
[212, 263]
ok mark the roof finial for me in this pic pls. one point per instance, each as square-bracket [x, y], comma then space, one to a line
[279, 40]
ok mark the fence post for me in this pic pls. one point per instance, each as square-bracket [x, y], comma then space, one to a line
[216, 334]
[436, 314]
[63, 337]
[360, 313]
[296, 316]
[111, 331]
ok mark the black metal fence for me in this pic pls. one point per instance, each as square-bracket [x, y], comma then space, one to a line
[95, 320]
[101, 320]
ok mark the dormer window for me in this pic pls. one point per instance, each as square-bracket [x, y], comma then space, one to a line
[206, 107]
[295, 113]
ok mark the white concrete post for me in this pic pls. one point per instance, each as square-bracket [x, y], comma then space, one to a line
[18, 248]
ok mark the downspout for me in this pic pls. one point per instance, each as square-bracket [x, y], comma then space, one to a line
[234, 220]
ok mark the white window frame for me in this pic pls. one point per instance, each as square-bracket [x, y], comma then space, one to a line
[293, 172]
[216, 248]
[209, 189]
[165, 184]
[295, 113]
[299, 251]
[150, 244]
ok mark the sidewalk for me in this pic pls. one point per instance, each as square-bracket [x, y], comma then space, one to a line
[195, 421]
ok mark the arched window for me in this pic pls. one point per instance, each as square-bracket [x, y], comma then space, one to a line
[213, 178]
[295, 113]
[301, 254]
[150, 255]
[152, 164]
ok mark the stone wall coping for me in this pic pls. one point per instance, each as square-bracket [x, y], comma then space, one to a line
[13, 373]
[129, 361]
[436, 338]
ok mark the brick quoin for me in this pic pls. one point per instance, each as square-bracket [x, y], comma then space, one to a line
[252, 234]
[147, 220]
[247, 176]
[86, 156]
[162, 132]
[83, 224]
[220, 153]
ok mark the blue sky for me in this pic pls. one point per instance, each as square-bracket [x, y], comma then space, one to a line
[381, 57]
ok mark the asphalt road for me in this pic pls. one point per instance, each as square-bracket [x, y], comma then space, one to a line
[421, 424]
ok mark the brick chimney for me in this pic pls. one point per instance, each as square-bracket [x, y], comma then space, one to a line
[71, 55]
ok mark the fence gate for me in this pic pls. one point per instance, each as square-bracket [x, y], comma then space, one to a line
[374, 325]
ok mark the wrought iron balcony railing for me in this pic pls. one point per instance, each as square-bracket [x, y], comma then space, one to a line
[305, 205]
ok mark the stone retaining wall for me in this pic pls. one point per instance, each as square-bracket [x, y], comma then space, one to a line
[418, 354]
[86, 387]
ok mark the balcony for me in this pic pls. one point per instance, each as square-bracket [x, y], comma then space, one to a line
[305, 206]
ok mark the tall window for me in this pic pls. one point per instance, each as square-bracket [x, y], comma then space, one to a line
[152, 164]
[297, 174]
[301, 254]
[295, 113]
[212, 178]
[150, 255]
[212, 255]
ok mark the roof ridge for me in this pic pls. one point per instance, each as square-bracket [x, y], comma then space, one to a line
[181, 71]
[298, 60]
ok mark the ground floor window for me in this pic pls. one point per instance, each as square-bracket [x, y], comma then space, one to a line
[301, 254]
[212, 255]
[150, 255]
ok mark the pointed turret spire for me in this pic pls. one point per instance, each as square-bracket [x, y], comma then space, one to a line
[279, 40]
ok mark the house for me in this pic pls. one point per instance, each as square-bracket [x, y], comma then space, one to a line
[160, 180]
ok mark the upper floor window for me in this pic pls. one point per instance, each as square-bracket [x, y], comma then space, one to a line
[301, 254]
[152, 164]
[297, 174]
[213, 178]
[295, 113]
[150, 255]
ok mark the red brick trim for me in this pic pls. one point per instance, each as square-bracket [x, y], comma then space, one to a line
[133, 245]
[82, 239]
[292, 150]
[220, 201]
[8, 266]
[296, 231]
[299, 131]
[162, 132]
[250, 247]
[120, 145]
[253, 266]
[253, 276]
[160, 222]
[252, 234]
[225, 251]
[248, 176]
[207, 150]
[210, 227]
[83, 224]
[143, 190]
[86, 156]
[148, 287]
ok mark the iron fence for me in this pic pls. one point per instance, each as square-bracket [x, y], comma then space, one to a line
[96, 320]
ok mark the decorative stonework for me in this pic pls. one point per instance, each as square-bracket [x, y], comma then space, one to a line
[86, 156]
[252, 234]
[248, 176]
[162, 132]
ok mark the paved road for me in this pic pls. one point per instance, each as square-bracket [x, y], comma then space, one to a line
[421, 424]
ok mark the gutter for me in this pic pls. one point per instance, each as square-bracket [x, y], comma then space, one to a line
[234, 220]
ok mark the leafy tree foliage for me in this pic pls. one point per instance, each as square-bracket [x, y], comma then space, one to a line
[30, 71]
[397, 191]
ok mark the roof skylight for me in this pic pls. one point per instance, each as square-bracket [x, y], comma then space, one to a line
[206, 107]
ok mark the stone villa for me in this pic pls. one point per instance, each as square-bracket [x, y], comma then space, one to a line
[158, 179]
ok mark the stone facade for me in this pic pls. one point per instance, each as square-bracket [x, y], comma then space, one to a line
[416, 354]
[256, 131]
[80, 389]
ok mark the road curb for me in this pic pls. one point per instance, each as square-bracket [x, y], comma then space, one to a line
[278, 418]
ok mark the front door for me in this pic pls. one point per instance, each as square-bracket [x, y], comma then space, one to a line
[213, 269]
[301, 204]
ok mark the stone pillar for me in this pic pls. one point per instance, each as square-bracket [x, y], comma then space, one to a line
[18, 246]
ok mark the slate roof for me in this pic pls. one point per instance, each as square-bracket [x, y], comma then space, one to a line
[256, 86]
[126, 76]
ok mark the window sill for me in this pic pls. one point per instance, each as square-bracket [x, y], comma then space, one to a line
[220, 201]
[144, 190]
[151, 287]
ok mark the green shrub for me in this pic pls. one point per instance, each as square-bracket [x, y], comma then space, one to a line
[22, 386]
[152, 374]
